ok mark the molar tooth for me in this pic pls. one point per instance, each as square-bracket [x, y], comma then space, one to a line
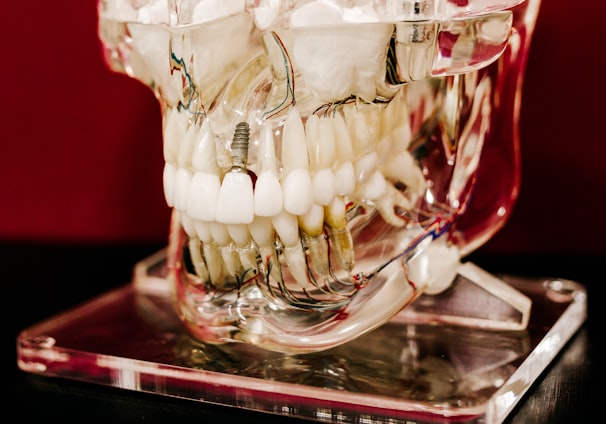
[268, 191]
[403, 167]
[385, 205]
[297, 188]
[373, 188]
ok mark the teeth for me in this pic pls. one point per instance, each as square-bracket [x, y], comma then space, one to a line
[219, 233]
[211, 252]
[339, 235]
[402, 167]
[297, 188]
[183, 182]
[268, 191]
[175, 127]
[263, 234]
[312, 226]
[169, 179]
[321, 145]
[345, 180]
[287, 228]
[365, 166]
[373, 188]
[205, 184]
[197, 258]
[235, 204]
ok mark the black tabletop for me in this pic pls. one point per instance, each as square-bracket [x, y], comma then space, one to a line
[46, 279]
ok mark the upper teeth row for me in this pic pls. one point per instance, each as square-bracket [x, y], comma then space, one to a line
[323, 160]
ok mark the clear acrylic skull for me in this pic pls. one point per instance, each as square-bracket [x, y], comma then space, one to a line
[327, 161]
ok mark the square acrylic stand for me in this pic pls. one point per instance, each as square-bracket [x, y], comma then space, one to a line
[419, 367]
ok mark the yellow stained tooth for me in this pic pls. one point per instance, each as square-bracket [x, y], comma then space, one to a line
[339, 234]
[297, 188]
[312, 226]
[268, 191]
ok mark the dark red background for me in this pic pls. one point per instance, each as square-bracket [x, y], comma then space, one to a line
[81, 155]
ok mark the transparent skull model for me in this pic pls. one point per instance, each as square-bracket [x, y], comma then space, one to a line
[327, 161]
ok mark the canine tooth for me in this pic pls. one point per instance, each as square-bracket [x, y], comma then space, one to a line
[297, 189]
[267, 191]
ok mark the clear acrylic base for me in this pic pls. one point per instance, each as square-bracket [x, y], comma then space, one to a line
[416, 368]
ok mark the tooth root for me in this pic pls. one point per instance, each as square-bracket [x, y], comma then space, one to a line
[294, 149]
[231, 260]
[267, 191]
[214, 262]
[175, 127]
[297, 265]
[186, 150]
[318, 252]
[248, 259]
[204, 156]
[263, 234]
[339, 234]
[197, 259]
[297, 188]
[345, 179]
[235, 203]
[385, 205]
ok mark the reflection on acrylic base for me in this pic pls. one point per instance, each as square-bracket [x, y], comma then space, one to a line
[420, 367]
